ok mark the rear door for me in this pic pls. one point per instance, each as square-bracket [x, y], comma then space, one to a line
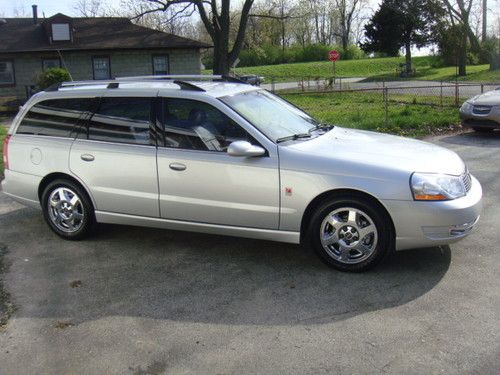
[115, 156]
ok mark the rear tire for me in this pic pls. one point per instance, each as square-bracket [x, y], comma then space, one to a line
[351, 234]
[67, 209]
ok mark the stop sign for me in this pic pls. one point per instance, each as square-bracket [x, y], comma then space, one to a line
[333, 55]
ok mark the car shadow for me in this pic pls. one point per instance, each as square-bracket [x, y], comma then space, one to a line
[190, 277]
[486, 139]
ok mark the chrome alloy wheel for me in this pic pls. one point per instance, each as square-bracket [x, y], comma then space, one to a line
[65, 209]
[348, 235]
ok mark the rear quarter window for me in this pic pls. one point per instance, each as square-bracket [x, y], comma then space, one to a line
[55, 117]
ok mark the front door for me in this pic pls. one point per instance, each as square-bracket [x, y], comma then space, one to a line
[116, 157]
[200, 182]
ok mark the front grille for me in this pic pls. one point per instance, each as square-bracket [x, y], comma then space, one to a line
[466, 180]
[481, 109]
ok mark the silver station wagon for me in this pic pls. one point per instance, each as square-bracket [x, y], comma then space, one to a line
[215, 155]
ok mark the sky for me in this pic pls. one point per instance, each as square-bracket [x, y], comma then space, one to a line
[49, 7]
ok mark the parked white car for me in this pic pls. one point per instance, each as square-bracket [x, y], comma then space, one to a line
[233, 159]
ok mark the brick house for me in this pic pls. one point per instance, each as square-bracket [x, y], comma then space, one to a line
[89, 48]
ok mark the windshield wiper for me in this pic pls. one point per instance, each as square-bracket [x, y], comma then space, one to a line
[321, 127]
[293, 137]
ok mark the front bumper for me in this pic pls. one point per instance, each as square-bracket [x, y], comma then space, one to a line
[473, 120]
[427, 224]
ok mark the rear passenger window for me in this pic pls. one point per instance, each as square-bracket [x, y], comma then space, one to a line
[56, 117]
[122, 120]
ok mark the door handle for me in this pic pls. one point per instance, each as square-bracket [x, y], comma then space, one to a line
[177, 166]
[87, 157]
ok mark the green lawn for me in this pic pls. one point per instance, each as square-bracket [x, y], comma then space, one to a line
[366, 111]
[373, 69]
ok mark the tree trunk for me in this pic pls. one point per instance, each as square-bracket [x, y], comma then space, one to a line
[221, 59]
[485, 20]
[345, 41]
[408, 58]
[462, 57]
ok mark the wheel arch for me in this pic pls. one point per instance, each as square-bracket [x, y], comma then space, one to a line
[336, 193]
[62, 176]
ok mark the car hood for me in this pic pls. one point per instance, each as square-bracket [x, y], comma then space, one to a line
[488, 98]
[377, 151]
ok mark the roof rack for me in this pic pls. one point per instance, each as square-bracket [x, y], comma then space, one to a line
[185, 77]
[180, 80]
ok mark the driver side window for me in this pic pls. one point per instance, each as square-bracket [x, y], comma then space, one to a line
[194, 125]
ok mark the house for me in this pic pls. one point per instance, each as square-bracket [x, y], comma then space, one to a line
[89, 48]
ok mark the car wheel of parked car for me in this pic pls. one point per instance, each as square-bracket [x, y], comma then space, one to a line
[67, 209]
[351, 234]
[482, 130]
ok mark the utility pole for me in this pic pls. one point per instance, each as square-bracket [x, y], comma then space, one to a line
[485, 18]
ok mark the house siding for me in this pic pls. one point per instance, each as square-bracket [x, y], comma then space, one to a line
[123, 63]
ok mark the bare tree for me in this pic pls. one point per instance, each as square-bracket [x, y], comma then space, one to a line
[460, 12]
[217, 20]
[20, 11]
[281, 11]
[173, 20]
[485, 20]
[348, 11]
[89, 8]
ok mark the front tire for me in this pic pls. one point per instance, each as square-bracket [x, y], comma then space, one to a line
[67, 209]
[351, 234]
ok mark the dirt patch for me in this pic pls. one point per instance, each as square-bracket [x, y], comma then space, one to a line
[6, 306]
[75, 284]
[156, 368]
[63, 324]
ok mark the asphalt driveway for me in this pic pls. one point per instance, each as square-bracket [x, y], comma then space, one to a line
[144, 301]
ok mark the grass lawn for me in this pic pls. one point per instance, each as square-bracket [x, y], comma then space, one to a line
[366, 111]
[373, 69]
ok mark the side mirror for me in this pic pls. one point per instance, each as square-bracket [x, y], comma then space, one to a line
[244, 148]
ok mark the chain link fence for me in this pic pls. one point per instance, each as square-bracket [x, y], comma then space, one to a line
[404, 107]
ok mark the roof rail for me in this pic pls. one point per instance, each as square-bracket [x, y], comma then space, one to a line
[181, 77]
[188, 86]
[180, 80]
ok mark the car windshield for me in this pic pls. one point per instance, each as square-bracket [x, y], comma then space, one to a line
[273, 116]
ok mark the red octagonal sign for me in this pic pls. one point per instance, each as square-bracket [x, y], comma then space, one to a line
[333, 55]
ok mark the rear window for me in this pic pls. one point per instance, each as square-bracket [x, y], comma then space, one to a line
[56, 117]
[122, 120]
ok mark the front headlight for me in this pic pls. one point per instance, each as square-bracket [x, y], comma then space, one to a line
[467, 107]
[436, 187]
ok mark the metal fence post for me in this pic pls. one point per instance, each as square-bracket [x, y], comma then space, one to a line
[441, 94]
[482, 88]
[456, 93]
[272, 85]
[386, 105]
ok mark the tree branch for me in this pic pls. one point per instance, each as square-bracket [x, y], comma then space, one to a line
[240, 36]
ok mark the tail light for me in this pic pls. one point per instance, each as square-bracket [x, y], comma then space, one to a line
[6, 152]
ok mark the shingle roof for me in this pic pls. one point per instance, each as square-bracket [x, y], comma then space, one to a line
[22, 35]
